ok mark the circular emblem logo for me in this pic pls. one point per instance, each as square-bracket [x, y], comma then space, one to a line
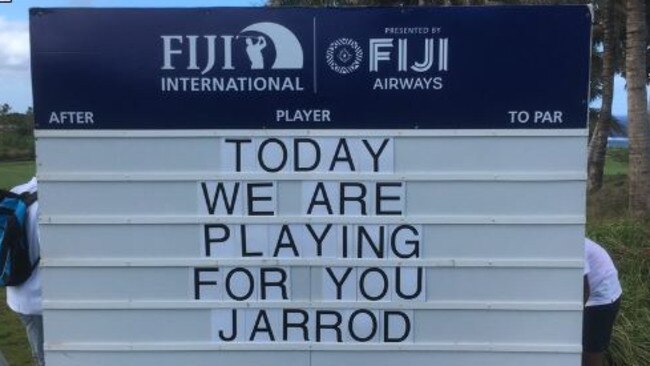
[344, 55]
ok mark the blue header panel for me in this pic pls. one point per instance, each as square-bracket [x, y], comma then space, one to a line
[297, 68]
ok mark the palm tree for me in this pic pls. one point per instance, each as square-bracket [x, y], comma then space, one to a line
[638, 127]
[598, 142]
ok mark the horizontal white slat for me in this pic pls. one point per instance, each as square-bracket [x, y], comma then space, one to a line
[439, 241]
[269, 132]
[202, 176]
[206, 304]
[461, 284]
[291, 198]
[196, 325]
[320, 262]
[309, 357]
[206, 219]
[415, 154]
[289, 346]
[135, 281]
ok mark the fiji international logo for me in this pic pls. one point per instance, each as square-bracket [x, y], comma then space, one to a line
[344, 55]
[257, 47]
[195, 52]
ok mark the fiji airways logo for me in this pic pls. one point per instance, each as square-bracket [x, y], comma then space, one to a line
[246, 50]
[344, 55]
[400, 63]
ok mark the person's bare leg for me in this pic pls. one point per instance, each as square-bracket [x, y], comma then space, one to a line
[593, 358]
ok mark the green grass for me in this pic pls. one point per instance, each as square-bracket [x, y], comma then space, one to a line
[628, 242]
[13, 342]
[616, 162]
[610, 202]
[14, 146]
[14, 173]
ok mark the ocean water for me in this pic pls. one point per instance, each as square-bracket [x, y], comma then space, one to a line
[618, 142]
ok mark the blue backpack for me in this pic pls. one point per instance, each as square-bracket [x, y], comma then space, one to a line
[15, 263]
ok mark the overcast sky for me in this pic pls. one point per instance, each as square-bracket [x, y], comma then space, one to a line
[15, 81]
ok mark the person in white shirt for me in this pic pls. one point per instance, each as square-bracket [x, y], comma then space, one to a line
[602, 298]
[25, 299]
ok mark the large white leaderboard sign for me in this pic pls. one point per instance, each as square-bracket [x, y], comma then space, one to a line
[312, 187]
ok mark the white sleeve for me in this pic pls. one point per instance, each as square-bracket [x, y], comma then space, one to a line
[587, 268]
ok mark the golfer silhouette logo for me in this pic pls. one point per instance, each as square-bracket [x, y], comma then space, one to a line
[254, 51]
[288, 51]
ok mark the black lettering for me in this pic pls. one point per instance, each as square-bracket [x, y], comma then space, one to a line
[209, 240]
[233, 335]
[286, 324]
[296, 155]
[290, 243]
[244, 245]
[252, 199]
[353, 332]
[360, 198]
[198, 282]
[319, 239]
[346, 158]
[281, 283]
[339, 284]
[251, 284]
[260, 155]
[375, 156]
[238, 143]
[379, 198]
[262, 317]
[345, 241]
[320, 326]
[220, 192]
[398, 285]
[407, 326]
[415, 253]
[362, 283]
[320, 187]
[378, 248]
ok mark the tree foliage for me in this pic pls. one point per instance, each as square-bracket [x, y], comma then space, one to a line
[16, 134]
[609, 42]
[4, 109]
